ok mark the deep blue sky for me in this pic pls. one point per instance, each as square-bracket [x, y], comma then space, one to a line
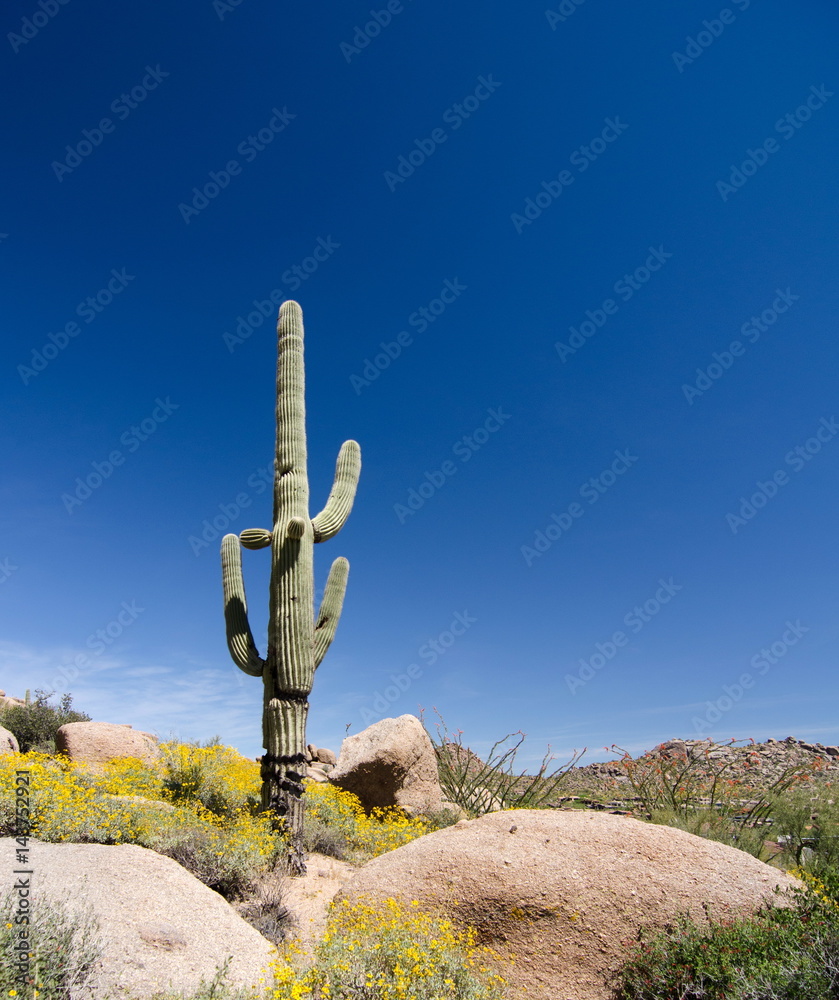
[562, 152]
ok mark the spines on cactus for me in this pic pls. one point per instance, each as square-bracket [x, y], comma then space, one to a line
[297, 639]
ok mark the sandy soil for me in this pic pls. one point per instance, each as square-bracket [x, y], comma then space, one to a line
[308, 897]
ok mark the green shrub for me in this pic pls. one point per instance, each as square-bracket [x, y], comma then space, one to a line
[322, 837]
[806, 820]
[782, 953]
[480, 787]
[35, 724]
[63, 949]
[693, 790]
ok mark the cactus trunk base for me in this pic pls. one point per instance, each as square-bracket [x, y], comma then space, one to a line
[282, 771]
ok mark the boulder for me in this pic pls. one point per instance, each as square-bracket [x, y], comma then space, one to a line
[159, 927]
[7, 701]
[453, 807]
[391, 763]
[319, 755]
[95, 743]
[8, 742]
[565, 891]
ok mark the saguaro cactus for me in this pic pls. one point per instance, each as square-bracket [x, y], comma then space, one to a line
[297, 641]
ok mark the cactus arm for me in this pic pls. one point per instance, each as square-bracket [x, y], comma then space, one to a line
[255, 538]
[332, 518]
[330, 608]
[239, 636]
[291, 484]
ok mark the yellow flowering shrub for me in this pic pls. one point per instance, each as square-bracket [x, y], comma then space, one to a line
[389, 951]
[64, 805]
[819, 892]
[70, 804]
[218, 777]
[130, 776]
[365, 836]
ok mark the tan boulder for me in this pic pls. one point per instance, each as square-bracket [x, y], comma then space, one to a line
[391, 763]
[565, 891]
[159, 927]
[8, 742]
[95, 743]
[7, 701]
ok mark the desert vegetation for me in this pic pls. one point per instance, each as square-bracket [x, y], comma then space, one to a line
[201, 805]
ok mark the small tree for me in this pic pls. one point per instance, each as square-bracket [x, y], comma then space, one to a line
[36, 723]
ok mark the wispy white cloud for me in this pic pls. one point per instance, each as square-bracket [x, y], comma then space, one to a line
[168, 699]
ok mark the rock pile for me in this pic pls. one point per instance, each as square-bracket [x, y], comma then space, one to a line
[320, 762]
[760, 762]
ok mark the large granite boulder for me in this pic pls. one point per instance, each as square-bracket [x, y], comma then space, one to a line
[391, 763]
[565, 891]
[159, 928]
[95, 743]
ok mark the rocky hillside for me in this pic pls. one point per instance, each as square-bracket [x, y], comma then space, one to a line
[759, 765]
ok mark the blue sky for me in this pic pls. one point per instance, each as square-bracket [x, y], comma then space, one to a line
[568, 275]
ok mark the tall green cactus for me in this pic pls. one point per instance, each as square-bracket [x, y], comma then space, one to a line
[297, 641]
